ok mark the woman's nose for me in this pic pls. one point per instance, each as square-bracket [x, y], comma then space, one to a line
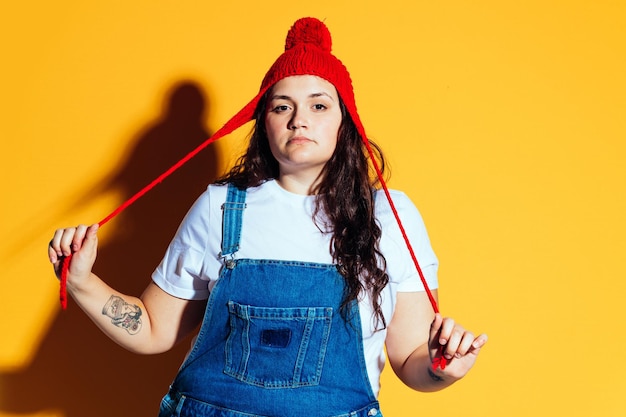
[298, 120]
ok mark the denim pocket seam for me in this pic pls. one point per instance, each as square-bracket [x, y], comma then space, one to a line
[312, 327]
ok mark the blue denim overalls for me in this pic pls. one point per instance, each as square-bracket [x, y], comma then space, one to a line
[273, 341]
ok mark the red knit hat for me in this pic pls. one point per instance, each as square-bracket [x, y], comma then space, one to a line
[307, 52]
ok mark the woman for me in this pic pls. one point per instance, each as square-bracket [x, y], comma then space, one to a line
[301, 260]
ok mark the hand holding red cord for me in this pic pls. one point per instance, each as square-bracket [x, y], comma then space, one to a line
[452, 347]
[72, 251]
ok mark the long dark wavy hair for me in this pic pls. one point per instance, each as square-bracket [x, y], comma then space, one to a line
[345, 202]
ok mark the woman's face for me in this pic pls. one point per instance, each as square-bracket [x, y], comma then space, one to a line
[302, 121]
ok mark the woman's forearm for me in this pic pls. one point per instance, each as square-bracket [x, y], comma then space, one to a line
[417, 372]
[121, 317]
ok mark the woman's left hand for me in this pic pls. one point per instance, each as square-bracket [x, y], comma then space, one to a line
[458, 346]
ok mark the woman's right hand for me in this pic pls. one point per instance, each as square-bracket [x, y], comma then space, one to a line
[82, 243]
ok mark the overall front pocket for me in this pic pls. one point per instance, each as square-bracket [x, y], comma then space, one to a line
[277, 347]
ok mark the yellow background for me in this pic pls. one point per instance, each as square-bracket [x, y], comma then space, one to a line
[504, 122]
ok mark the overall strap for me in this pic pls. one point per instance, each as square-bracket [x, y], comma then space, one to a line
[232, 219]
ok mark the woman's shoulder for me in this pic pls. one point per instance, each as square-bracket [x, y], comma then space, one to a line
[401, 201]
[407, 211]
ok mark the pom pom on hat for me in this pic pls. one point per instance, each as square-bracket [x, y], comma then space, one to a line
[309, 30]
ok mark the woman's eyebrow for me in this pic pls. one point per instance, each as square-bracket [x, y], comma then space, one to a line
[324, 94]
[312, 95]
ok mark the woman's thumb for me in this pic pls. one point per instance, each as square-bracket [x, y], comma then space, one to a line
[91, 237]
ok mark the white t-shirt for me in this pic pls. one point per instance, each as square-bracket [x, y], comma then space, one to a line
[278, 224]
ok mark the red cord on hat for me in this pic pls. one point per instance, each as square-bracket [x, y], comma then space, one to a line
[305, 32]
[244, 115]
[125, 204]
[439, 361]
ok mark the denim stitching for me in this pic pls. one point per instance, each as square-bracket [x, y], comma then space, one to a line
[238, 357]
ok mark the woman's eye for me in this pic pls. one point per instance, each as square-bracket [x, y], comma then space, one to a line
[280, 108]
[319, 106]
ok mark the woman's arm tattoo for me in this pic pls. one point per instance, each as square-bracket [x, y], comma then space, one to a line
[434, 376]
[123, 315]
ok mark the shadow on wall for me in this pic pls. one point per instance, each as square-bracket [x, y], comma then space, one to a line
[77, 370]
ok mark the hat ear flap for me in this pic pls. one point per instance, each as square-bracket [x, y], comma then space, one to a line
[242, 117]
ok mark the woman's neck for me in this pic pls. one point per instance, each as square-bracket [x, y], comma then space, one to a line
[298, 184]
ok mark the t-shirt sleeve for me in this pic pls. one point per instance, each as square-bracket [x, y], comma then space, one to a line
[400, 266]
[180, 271]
